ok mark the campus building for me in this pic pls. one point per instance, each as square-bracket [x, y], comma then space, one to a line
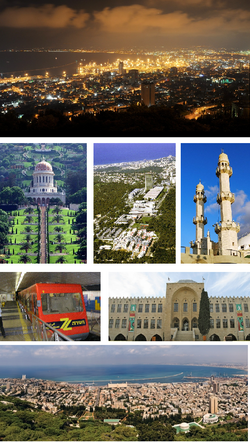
[42, 187]
[175, 316]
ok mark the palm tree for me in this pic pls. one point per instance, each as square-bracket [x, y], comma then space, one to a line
[28, 228]
[60, 248]
[24, 259]
[56, 210]
[28, 210]
[25, 247]
[58, 228]
[59, 238]
[57, 218]
[28, 238]
[28, 219]
[61, 259]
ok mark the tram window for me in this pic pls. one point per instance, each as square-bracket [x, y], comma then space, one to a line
[61, 303]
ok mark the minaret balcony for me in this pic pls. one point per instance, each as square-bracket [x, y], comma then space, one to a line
[224, 169]
[200, 219]
[227, 226]
[225, 196]
[198, 197]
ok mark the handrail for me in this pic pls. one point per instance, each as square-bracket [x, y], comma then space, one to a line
[40, 330]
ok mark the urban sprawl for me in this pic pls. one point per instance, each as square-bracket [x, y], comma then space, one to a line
[208, 400]
[198, 81]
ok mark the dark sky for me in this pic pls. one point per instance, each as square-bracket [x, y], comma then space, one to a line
[112, 24]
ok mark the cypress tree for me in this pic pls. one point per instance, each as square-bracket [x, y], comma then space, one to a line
[204, 314]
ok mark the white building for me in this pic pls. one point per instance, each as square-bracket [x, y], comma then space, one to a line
[42, 187]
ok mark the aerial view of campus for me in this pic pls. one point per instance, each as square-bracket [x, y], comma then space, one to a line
[114, 394]
[162, 69]
[43, 203]
[134, 203]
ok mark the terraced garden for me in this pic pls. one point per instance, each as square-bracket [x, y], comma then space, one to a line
[62, 239]
[23, 238]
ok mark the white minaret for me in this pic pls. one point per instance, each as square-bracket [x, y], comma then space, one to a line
[200, 221]
[227, 229]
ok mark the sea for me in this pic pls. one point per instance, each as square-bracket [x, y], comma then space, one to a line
[110, 153]
[101, 375]
[38, 63]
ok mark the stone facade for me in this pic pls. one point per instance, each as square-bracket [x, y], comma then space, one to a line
[175, 316]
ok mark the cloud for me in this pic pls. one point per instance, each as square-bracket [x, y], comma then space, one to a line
[46, 16]
[211, 208]
[137, 285]
[135, 19]
[212, 191]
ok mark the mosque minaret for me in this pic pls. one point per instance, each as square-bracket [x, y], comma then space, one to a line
[200, 220]
[227, 229]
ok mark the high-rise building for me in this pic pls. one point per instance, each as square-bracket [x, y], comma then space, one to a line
[23, 377]
[133, 76]
[120, 67]
[148, 93]
[148, 181]
[213, 405]
[216, 387]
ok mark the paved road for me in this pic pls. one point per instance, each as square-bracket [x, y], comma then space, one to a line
[43, 238]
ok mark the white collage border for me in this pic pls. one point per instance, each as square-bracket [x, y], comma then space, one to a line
[106, 269]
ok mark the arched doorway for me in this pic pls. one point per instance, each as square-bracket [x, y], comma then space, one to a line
[194, 323]
[140, 337]
[214, 337]
[43, 201]
[248, 337]
[185, 324]
[120, 337]
[176, 323]
[156, 337]
[38, 201]
[230, 337]
[47, 201]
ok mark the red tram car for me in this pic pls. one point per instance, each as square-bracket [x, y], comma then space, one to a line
[60, 305]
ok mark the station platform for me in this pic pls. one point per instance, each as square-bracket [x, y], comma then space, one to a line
[18, 328]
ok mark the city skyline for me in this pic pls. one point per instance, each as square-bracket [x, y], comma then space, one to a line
[153, 284]
[108, 153]
[125, 23]
[43, 356]
[203, 159]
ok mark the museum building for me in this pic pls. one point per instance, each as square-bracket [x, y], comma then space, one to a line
[42, 187]
[175, 316]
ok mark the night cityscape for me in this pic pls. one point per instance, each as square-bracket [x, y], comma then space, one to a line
[177, 69]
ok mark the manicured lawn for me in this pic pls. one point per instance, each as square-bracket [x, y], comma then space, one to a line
[19, 235]
[68, 238]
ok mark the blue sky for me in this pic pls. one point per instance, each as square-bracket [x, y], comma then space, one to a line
[106, 153]
[198, 163]
[153, 284]
[77, 355]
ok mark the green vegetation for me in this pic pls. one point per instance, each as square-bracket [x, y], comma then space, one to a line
[204, 314]
[17, 164]
[23, 236]
[63, 237]
[22, 421]
[164, 225]
[110, 199]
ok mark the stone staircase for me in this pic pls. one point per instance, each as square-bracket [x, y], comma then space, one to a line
[184, 336]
